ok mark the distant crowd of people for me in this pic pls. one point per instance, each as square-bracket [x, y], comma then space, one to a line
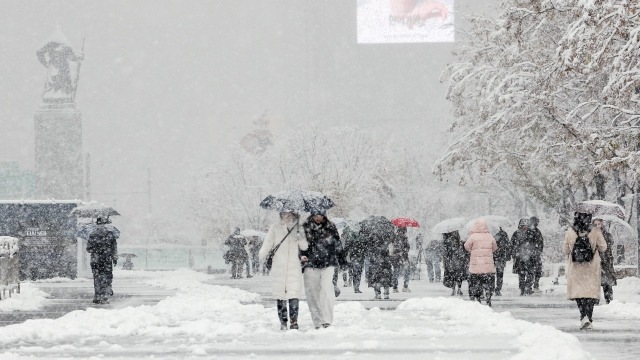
[312, 254]
[238, 257]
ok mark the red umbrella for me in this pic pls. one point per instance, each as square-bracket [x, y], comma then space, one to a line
[405, 222]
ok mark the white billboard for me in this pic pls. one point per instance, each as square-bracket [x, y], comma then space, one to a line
[405, 21]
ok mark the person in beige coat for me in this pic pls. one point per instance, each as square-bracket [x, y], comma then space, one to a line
[583, 278]
[286, 271]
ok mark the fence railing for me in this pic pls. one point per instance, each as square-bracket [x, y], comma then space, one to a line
[171, 257]
[9, 266]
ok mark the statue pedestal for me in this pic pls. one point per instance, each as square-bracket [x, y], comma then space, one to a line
[58, 152]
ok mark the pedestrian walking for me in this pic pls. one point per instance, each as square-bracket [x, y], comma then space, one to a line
[538, 248]
[432, 257]
[322, 257]
[355, 250]
[607, 272]
[582, 244]
[236, 254]
[482, 270]
[286, 276]
[500, 258]
[524, 262]
[380, 268]
[255, 243]
[103, 248]
[400, 259]
[456, 262]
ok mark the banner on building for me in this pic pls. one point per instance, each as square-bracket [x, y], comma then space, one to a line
[405, 21]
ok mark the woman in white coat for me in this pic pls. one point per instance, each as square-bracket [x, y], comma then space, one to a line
[583, 278]
[286, 271]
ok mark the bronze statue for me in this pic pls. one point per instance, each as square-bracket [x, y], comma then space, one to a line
[57, 56]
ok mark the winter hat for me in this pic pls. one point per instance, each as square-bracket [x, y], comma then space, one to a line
[316, 211]
[534, 221]
[523, 222]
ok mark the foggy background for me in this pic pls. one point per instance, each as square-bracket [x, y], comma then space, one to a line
[168, 86]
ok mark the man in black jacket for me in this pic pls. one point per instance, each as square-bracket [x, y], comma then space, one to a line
[524, 252]
[355, 249]
[400, 259]
[103, 248]
[324, 254]
[500, 257]
[538, 246]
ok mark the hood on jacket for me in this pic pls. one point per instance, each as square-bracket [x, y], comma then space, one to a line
[480, 226]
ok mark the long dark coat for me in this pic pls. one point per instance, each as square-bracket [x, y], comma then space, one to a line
[538, 243]
[103, 248]
[456, 261]
[608, 274]
[503, 254]
[355, 245]
[380, 268]
[401, 249]
[524, 250]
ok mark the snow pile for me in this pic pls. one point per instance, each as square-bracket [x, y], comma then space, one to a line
[473, 319]
[211, 320]
[625, 304]
[30, 298]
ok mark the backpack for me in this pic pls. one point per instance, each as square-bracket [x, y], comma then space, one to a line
[582, 250]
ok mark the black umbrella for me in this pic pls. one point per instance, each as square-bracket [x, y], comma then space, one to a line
[377, 225]
[297, 200]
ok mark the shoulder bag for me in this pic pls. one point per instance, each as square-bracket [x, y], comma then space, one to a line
[269, 261]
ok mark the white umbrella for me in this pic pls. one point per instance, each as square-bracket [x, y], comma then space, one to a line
[495, 222]
[616, 220]
[449, 225]
[600, 208]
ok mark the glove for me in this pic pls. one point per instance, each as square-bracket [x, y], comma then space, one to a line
[115, 262]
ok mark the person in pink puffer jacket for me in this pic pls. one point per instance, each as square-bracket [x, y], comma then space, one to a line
[481, 267]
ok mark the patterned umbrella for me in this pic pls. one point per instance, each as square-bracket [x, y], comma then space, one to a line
[297, 200]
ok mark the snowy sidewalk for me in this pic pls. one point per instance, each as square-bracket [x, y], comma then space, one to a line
[203, 320]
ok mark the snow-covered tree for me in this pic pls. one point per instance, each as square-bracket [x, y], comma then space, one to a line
[547, 93]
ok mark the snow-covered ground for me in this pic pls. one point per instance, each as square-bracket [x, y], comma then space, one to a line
[29, 298]
[204, 321]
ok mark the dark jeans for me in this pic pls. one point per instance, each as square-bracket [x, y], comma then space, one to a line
[479, 283]
[525, 280]
[608, 292]
[537, 274]
[499, 277]
[236, 268]
[356, 267]
[585, 305]
[433, 269]
[403, 268]
[293, 310]
[248, 267]
[102, 278]
[367, 272]
[255, 264]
